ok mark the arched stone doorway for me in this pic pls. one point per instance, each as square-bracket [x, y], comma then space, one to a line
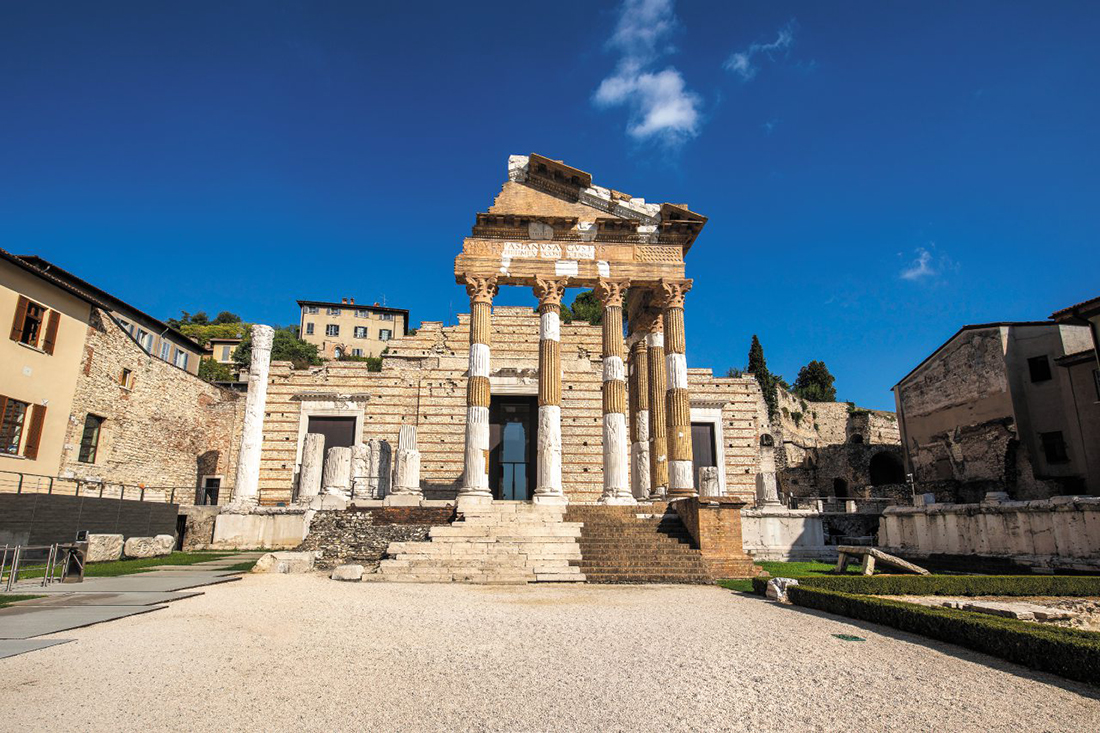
[885, 469]
[840, 488]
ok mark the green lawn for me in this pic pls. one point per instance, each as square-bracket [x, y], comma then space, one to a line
[788, 570]
[125, 567]
[7, 600]
[242, 567]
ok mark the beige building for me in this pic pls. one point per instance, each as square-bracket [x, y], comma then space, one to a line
[152, 334]
[346, 329]
[221, 349]
[993, 410]
[40, 363]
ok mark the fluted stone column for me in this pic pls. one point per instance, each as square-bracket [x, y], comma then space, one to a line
[476, 474]
[639, 419]
[681, 483]
[313, 460]
[658, 427]
[336, 479]
[616, 464]
[548, 486]
[247, 485]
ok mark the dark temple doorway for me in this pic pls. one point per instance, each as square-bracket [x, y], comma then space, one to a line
[703, 451]
[339, 432]
[513, 424]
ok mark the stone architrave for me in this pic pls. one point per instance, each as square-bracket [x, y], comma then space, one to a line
[360, 478]
[406, 466]
[670, 297]
[337, 474]
[379, 458]
[247, 486]
[313, 460]
[616, 440]
[476, 454]
[548, 484]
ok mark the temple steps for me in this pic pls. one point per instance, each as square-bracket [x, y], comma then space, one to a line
[501, 542]
[624, 544]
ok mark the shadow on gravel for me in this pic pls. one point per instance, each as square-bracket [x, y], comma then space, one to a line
[948, 649]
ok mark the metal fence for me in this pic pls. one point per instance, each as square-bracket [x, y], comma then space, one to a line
[841, 504]
[14, 482]
[28, 561]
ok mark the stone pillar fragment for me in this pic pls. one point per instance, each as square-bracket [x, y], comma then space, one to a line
[360, 479]
[246, 487]
[548, 484]
[309, 474]
[658, 427]
[406, 467]
[616, 441]
[378, 468]
[476, 459]
[767, 492]
[337, 474]
[681, 483]
[639, 420]
[709, 485]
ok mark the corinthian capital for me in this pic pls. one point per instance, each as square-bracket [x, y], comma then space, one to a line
[649, 321]
[670, 293]
[481, 289]
[550, 292]
[611, 292]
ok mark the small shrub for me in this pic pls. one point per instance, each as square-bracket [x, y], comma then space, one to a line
[961, 585]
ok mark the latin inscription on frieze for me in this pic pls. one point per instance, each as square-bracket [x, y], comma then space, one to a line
[548, 251]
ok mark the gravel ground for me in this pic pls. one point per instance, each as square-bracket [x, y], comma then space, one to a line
[278, 652]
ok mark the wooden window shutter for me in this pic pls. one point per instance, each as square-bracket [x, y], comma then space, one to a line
[51, 332]
[34, 434]
[20, 316]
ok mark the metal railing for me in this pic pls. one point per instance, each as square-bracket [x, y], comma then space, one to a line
[873, 505]
[29, 559]
[14, 482]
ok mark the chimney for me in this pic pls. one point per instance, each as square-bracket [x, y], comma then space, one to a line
[344, 301]
[376, 302]
[351, 301]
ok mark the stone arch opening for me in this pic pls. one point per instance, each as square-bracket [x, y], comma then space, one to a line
[840, 488]
[856, 439]
[885, 469]
[767, 441]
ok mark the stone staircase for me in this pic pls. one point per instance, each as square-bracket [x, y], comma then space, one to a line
[501, 542]
[625, 544]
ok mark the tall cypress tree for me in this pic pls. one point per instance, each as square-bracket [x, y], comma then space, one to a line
[758, 367]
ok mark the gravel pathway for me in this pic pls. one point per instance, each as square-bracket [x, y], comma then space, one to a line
[279, 652]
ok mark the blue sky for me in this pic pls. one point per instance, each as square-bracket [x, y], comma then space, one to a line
[876, 174]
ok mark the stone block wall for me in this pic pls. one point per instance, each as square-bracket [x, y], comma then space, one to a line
[165, 430]
[1062, 533]
[715, 525]
[39, 519]
[423, 382]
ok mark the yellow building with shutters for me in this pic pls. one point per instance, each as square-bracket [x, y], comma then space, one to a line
[40, 362]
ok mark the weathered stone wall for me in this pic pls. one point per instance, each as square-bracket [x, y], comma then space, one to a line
[423, 382]
[165, 430]
[362, 537]
[1062, 533]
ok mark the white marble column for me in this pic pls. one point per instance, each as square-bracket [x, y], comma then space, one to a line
[476, 474]
[309, 474]
[548, 484]
[406, 466]
[616, 441]
[336, 478]
[681, 483]
[639, 419]
[246, 487]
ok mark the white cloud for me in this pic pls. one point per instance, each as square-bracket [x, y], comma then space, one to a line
[660, 104]
[928, 265]
[920, 268]
[741, 62]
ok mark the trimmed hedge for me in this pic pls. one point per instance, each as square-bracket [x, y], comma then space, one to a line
[1071, 653]
[951, 585]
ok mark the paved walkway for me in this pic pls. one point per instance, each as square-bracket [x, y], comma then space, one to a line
[278, 652]
[69, 606]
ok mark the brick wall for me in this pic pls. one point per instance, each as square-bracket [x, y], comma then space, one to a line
[39, 519]
[167, 430]
[716, 528]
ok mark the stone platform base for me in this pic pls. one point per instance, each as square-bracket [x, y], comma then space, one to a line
[498, 542]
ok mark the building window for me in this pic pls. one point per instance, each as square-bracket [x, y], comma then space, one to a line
[362, 313]
[309, 329]
[1054, 447]
[385, 334]
[1039, 367]
[181, 359]
[89, 440]
[28, 324]
[360, 332]
[332, 329]
[145, 339]
[386, 316]
[311, 310]
[338, 352]
[226, 352]
[126, 379]
[11, 425]
[356, 352]
[165, 350]
[332, 311]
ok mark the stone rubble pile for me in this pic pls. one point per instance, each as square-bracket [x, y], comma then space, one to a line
[350, 537]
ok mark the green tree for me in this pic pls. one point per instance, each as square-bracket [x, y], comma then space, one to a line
[815, 383]
[203, 333]
[214, 371]
[227, 317]
[286, 346]
[758, 368]
[587, 307]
